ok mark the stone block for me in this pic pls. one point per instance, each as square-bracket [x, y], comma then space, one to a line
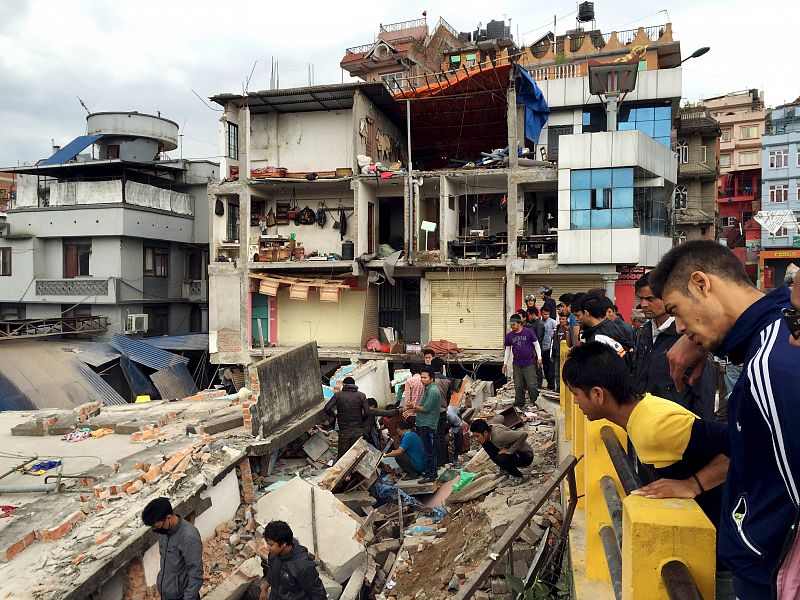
[332, 587]
[31, 428]
[224, 423]
[316, 446]
[235, 586]
[339, 546]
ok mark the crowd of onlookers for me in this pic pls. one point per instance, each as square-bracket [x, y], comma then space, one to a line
[735, 447]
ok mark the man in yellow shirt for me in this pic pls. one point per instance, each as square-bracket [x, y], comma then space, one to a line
[689, 455]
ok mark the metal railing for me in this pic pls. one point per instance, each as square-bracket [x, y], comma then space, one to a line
[598, 40]
[33, 328]
[399, 26]
[363, 48]
[447, 26]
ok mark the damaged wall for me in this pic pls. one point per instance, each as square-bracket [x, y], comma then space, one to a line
[327, 323]
[290, 384]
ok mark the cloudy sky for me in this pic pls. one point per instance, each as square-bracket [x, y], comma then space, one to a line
[149, 56]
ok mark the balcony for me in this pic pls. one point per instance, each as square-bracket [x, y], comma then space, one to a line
[400, 26]
[35, 328]
[738, 194]
[698, 120]
[195, 290]
[697, 170]
[589, 42]
[81, 288]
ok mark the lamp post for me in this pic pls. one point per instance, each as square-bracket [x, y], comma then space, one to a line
[697, 53]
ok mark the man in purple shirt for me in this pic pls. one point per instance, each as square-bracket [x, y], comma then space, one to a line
[527, 352]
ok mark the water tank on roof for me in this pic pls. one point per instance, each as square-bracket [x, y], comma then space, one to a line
[586, 12]
[131, 135]
[496, 30]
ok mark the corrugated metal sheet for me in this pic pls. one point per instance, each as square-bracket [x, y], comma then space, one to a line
[139, 382]
[191, 341]
[71, 150]
[468, 312]
[11, 397]
[174, 382]
[39, 374]
[108, 395]
[95, 354]
[145, 354]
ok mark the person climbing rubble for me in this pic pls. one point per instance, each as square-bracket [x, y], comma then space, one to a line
[352, 413]
[290, 573]
[181, 574]
[507, 448]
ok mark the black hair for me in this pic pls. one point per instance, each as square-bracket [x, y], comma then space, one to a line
[567, 298]
[372, 402]
[545, 309]
[401, 424]
[429, 370]
[710, 257]
[479, 426]
[533, 311]
[429, 351]
[598, 291]
[643, 281]
[597, 365]
[279, 532]
[414, 369]
[607, 304]
[348, 381]
[156, 510]
[594, 305]
[577, 302]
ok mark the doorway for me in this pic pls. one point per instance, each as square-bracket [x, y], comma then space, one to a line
[259, 312]
[390, 222]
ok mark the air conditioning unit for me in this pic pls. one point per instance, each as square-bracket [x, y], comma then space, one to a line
[136, 324]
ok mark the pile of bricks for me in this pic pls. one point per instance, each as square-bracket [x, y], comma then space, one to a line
[234, 542]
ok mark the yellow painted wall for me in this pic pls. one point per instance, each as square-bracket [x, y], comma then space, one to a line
[328, 323]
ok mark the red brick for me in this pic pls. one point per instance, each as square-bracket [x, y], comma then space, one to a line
[147, 435]
[135, 487]
[19, 545]
[152, 474]
[78, 559]
[102, 538]
[56, 533]
[136, 436]
[181, 467]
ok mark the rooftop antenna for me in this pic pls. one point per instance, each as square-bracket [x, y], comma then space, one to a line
[247, 83]
[180, 136]
[83, 104]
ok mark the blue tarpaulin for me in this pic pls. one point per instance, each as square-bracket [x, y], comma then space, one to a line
[71, 150]
[536, 109]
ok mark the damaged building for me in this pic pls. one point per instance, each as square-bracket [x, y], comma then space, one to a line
[319, 232]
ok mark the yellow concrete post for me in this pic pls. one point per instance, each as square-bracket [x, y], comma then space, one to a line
[579, 451]
[596, 464]
[566, 398]
[657, 531]
[561, 387]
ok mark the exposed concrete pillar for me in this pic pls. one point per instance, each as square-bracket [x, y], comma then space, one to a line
[610, 283]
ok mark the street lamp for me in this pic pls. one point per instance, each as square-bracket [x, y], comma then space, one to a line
[695, 54]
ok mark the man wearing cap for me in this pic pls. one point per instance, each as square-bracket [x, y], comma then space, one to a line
[546, 293]
[527, 356]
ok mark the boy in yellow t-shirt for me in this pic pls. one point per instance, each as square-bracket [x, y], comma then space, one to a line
[689, 455]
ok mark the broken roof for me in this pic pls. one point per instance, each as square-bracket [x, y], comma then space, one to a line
[338, 96]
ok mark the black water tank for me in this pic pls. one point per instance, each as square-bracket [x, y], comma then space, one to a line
[348, 250]
[496, 30]
[586, 12]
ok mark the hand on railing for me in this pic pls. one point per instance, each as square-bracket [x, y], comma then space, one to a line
[669, 488]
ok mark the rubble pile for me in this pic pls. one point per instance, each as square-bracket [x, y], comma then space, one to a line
[234, 542]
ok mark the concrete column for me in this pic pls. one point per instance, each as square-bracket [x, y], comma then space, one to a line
[597, 464]
[610, 283]
[669, 529]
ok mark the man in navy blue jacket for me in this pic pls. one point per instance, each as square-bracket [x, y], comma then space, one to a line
[705, 287]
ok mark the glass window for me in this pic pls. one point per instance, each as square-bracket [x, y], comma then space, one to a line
[726, 135]
[748, 132]
[601, 219]
[682, 149]
[622, 177]
[5, 262]
[646, 127]
[748, 158]
[601, 178]
[622, 198]
[579, 219]
[646, 113]
[625, 126]
[587, 119]
[724, 160]
[627, 114]
[622, 217]
[663, 112]
[778, 159]
[580, 179]
[580, 200]
[601, 198]
[233, 141]
[662, 128]
[664, 141]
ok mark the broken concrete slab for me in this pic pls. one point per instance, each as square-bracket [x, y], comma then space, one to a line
[413, 488]
[482, 485]
[218, 424]
[361, 459]
[32, 428]
[316, 446]
[332, 587]
[338, 543]
[235, 586]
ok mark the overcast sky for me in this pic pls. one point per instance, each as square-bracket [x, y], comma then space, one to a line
[148, 56]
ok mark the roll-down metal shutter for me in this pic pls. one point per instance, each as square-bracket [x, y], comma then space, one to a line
[468, 312]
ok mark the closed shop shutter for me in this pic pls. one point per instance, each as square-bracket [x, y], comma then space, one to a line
[468, 312]
[370, 328]
[561, 284]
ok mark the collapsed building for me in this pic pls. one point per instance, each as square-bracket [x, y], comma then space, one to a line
[77, 479]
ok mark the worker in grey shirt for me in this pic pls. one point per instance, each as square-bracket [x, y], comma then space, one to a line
[181, 574]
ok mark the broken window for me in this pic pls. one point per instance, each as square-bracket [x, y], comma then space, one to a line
[233, 141]
[232, 230]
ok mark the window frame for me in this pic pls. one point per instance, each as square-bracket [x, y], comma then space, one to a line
[743, 128]
[79, 248]
[160, 268]
[780, 190]
[5, 261]
[753, 153]
[234, 214]
[784, 230]
[726, 138]
[778, 156]
[682, 150]
[729, 157]
[232, 151]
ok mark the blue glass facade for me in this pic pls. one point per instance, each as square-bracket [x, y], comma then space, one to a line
[601, 198]
[651, 119]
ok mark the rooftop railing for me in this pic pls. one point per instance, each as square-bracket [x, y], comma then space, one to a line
[399, 26]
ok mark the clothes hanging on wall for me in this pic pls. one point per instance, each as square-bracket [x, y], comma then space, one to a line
[342, 223]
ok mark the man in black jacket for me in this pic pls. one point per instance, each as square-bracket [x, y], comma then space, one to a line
[597, 328]
[351, 409]
[290, 573]
[651, 368]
